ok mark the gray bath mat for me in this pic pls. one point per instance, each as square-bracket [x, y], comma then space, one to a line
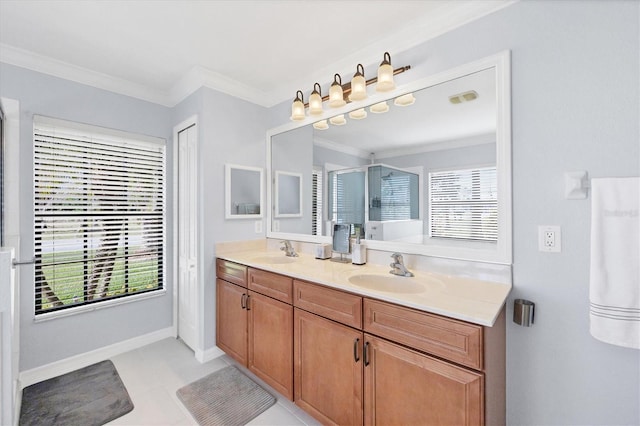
[93, 395]
[226, 397]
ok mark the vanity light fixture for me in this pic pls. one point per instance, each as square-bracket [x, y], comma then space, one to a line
[358, 85]
[297, 108]
[379, 108]
[336, 94]
[385, 75]
[315, 100]
[340, 94]
[358, 114]
[338, 120]
[321, 125]
[405, 100]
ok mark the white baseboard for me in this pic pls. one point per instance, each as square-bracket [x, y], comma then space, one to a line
[209, 354]
[38, 374]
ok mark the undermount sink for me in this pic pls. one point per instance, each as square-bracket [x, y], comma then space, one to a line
[393, 283]
[274, 259]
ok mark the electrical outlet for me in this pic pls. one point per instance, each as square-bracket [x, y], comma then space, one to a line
[549, 238]
[258, 226]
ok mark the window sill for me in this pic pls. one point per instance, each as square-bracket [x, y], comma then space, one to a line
[99, 305]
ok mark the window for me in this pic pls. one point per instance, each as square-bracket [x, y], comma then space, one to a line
[316, 202]
[463, 204]
[347, 197]
[99, 213]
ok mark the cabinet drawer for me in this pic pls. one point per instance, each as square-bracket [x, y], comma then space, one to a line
[232, 272]
[337, 305]
[273, 285]
[453, 340]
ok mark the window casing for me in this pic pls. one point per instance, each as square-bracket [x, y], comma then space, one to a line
[463, 204]
[99, 214]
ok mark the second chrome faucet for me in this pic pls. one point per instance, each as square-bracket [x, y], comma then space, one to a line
[288, 248]
[398, 266]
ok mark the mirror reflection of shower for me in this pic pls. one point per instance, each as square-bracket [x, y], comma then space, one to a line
[392, 194]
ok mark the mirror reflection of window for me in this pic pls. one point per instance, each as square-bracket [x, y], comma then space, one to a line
[464, 204]
[316, 201]
[347, 195]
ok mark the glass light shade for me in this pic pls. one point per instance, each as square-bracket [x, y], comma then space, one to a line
[358, 85]
[379, 108]
[358, 114]
[297, 111]
[338, 120]
[404, 100]
[385, 75]
[315, 101]
[336, 95]
[321, 125]
[297, 108]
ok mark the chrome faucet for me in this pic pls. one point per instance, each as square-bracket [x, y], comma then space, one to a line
[288, 249]
[398, 266]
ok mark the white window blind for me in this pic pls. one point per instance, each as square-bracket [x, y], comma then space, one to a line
[316, 202]
[348, 198]
[99, 211]
[463, 204]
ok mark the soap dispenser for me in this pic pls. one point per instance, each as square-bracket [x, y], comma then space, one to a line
[358, 252]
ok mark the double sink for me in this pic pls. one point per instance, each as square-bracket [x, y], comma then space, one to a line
[372, 281]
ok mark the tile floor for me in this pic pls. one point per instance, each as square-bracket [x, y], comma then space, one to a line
[152, 375]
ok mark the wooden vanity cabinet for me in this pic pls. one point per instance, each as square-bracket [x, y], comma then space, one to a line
[254, 328]
[358, 360]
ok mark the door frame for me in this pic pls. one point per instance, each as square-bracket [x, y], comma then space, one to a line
[199, 351]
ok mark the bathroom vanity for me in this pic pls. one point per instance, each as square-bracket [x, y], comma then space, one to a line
[354, 345]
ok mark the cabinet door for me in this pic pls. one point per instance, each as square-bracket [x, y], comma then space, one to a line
[271, 342]
[406, 387]
[327, 369]
[231, 320]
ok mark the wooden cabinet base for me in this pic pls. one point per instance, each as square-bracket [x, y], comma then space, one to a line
[328, 379]
[405, 387]
[271, 342]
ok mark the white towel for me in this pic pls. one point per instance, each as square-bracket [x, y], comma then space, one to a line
[615, 258]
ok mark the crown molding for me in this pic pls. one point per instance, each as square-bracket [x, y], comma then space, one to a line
[345, 149]
[47, 65]
[413, 34]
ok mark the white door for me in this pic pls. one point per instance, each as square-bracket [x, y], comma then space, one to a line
[188, 286]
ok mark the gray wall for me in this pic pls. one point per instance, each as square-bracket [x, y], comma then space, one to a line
[575, 106]
[231, 131]
[49, 341]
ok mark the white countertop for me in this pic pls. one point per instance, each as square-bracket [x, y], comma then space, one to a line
[466, 299]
